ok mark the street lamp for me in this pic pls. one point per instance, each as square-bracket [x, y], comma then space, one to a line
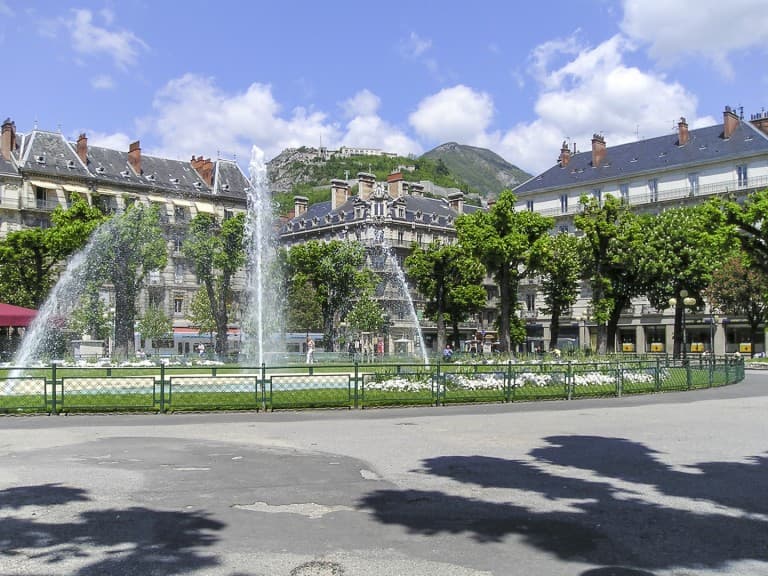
[585, 343]
[686, 301]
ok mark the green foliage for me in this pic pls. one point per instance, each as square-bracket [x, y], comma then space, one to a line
[449, 278]
[366, 315]
[335, 271]
[505, 241]
[305, 312]
[129, 247]
[155, 324]
[30, 259]
[750, 224]
[91, 315]
[738, 290]
[217, 252]
[200, 314]
[561, 272]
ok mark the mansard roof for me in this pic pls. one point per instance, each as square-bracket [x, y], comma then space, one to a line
[229, 180]
[49, 154]
[432, 211]
[654, 155]
[7, 168]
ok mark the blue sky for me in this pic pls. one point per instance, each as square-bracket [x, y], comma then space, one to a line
[215, 78]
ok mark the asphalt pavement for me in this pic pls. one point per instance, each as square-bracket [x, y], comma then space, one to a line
[658, 485]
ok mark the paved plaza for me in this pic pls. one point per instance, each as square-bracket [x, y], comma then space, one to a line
[660, 485]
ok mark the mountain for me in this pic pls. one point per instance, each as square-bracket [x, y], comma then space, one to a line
[485, 171]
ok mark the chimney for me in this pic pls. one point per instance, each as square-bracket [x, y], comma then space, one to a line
[760, 121]
[366, 183]
[339, 193]
[8, 139]
[204, 167]
[682, 132]
[565, 155]
[299, 205]
[730, 122]
[456, 202]
[395, 184]
[82, 148]
[598, 150]
[134, 156]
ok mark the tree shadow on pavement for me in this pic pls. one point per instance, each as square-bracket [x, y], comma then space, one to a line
[135, 540]
[605, 501]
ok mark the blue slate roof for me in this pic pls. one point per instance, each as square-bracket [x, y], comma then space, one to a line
[432, 211]
[622, 162]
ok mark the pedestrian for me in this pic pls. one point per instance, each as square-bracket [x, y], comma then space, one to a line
[310, 351]
[201, 350]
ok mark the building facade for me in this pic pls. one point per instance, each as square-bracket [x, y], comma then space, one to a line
[685, 167]
[41, 170]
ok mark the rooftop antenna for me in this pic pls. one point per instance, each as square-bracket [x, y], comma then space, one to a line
[58, 127]
[637, 132]
[741, 112]
[35, 125]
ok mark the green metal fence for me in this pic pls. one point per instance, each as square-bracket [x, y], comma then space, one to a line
[56, 389]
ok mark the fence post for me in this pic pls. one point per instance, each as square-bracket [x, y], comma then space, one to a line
[54, 409]
[619, 381]
[657, 375]
[508, 391]
[436, 380]
[264, 386]
[162, 387]
[569, 381]
[688, 373]
[356, 384]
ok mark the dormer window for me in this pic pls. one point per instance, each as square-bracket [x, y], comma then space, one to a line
[173, 180]
[125, 174]
[151, 177]
[418, 215]
[225, 187]
[434, 217]
[302, 223]
[100, 170]
[316, 220]
[40, 159]
[71, 164]
[327, 218]
[401, 211]
[198, 185]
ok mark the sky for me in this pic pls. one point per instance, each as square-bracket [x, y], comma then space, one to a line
[216, 78]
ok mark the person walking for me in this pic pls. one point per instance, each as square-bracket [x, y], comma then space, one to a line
[310, 351]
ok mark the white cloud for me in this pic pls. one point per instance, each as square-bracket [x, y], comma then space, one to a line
[5, 10]
[114, 141]
[595, 91]
[415, 46]
[709, 28]
[193, 116]
[102, 82]
[458, 114]
[122, 46]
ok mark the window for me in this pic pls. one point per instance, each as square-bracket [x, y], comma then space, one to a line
[597, 194]
[180, 213]
[564, 203]
[741, 173]
[177, 244]
[228, 214]
[179, 272]
[563, 229]
[178, 304]
[693, 184]
[41, 198]
[624, 193]
[401, 212]
[378, 209]
[653, 189]
[529, 205]
[400, 237]
[530, 302]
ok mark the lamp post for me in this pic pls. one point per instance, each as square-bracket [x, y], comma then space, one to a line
[713, 320]
[686, 301]
[584, 319]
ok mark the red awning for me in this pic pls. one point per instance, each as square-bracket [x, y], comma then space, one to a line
[16, 315]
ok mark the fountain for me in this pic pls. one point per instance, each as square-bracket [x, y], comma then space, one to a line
[261, 320]
[399, 276]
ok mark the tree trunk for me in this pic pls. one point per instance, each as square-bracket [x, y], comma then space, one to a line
[505, 295]
[554, 328]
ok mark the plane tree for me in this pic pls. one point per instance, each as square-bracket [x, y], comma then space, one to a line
[217, 252]
[450, 280]
[560, 275]
[505, 241]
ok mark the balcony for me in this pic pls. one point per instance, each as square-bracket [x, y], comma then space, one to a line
[684, 192]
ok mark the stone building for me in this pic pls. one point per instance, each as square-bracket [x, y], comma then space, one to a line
[41, 170]
[684, 167]
[387, 217]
